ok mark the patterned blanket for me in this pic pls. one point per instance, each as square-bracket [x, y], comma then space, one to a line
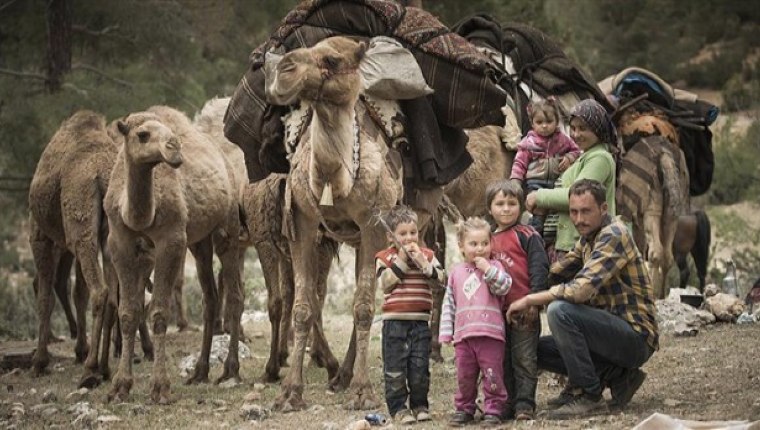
[466, 94]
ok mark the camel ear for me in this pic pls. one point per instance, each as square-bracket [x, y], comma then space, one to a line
[361, 49]
[123, 127]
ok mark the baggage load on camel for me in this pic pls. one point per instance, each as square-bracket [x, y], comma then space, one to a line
[463, 80]
[679, 108]
[534, 63]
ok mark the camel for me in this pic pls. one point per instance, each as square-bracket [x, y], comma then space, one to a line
[341, 153]
[65, 202]
[262, 203]
[173, 188]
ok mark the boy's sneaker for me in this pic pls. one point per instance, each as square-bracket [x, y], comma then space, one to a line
[524, 414]
[423, 415]
[490, 420]
[567, 395]
[460, 419]
[582, 405]
[405, 417]
[624, 387]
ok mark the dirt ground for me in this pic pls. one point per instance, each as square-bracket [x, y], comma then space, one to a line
[711, 376]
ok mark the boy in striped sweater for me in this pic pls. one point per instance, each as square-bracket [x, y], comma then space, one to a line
[405, 277]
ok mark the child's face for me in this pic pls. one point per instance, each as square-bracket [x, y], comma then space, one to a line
[582, 134]
[406, 233]
[475, 243]
[505, 210]
[543, 124]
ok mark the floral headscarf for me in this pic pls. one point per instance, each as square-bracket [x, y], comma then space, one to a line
[596, 117]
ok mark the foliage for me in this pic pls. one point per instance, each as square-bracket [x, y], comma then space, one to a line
[737, 157]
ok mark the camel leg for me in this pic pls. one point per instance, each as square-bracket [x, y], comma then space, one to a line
[655, 252]
[179, 304]
[81, 299]
[303, 256]
[342, 380]
[87, 261]
[669, 225]
[287, 292]
[219, 312]
[203, 253]
[321, 354]
[125, 260]
[170, 257]
[362, 395]
[110, 318]
[65, 261]
[270, 266]
[43, 252]
[437, 236]
[233, 307]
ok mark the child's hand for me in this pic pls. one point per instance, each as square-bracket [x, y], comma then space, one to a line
[564, 163]
[415, 255]
[482, 264]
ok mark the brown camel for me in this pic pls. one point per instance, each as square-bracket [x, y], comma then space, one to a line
[173, 188]
[262, 203]
[342, 153]
[65, 202]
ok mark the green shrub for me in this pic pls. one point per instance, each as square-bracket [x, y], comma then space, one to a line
[737, 157]
[741, 94]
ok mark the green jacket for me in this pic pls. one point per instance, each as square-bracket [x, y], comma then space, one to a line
[595, 163]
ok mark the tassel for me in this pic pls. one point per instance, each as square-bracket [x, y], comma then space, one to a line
[327, 196]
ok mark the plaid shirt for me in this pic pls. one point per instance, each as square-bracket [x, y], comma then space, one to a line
[607, 272]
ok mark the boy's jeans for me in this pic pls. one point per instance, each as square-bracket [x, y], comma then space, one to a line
[589, 345]
[521, 365]
[406, 351]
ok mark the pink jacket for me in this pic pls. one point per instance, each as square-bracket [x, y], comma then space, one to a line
[535, 147]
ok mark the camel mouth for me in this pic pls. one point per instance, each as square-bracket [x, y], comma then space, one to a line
[174, 162]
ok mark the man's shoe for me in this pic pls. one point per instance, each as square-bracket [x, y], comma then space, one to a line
[580, 406]
[490, 420]
[405, 417]
[461, 418]
[423, 415]
[624, 387]
[567, 395]
[524, 414]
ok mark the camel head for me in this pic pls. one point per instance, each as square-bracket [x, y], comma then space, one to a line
[327, 72]
[147, 140]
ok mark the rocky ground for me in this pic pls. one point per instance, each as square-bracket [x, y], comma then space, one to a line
[713, 375]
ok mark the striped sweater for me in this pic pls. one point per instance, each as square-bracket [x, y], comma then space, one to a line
[474, 303]
[407, 289]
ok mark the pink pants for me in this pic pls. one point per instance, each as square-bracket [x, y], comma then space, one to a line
[480, 355]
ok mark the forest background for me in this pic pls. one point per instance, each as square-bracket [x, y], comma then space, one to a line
[116, 57]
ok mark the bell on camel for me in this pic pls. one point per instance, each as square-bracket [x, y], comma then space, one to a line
[327, 196]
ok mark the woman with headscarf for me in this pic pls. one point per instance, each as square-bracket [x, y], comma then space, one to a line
[593, 131]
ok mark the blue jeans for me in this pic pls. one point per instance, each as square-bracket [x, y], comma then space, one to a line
[589, 345]
[521, 365]
[406, 354]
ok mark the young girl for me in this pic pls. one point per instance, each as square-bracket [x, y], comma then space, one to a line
[473, 318]
[521, 251]
[543, 154]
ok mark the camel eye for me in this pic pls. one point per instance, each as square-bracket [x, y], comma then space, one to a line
[332, 62]
[144, 136]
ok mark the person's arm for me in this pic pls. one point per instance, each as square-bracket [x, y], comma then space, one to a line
[448, 311]
[520, 163]
[569, 146]
[566, 267]
[538, 261]
[531, 300]
[435, 271]
[388, 277]
[598, 167]
[498, 280]
[612, 252]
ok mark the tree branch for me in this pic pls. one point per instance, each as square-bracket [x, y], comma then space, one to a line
[6, 5]
[19, 74]
[87, 31]
[80, 66]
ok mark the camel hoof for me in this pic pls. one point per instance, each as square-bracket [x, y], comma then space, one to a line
[38, 371]
[436, 356]
[105, 372]
[231, 371]
[270, 378]
[119, 390]
[148, 355]
[90, 380]
[362, 402]
[340, 382]
[289, 402]
[80, 354]
[161, 394]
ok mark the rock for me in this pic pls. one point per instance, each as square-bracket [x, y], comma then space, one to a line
[17, 410]
[254, 412]
[218, 402]
[108, 419]
[32, 391]
[359, 425]
[725, 307]
[316, 409]
[746, 318]
[676, 293]
[330, 425]
[259, 386]
[77, 394]
[219, 349]
[80, 408]
[49, 396]
[36, 409]
[711, 290]
[671, 402]
[229, 383]
[683, 330]
[252, 396]
[49, 412]
[675, 316]
[85, 419]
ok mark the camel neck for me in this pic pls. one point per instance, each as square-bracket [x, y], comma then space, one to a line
[333, 136]
[139, 209]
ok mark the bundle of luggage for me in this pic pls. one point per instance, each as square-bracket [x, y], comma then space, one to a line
[676, 114]
[464, 82]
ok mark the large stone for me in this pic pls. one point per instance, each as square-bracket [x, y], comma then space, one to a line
[219, 349]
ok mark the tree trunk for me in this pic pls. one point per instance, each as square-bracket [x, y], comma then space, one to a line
[59, 43]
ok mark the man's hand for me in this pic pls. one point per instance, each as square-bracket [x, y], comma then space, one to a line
[482, 264]
[530, 201]
[527, 318]
[516, 308]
